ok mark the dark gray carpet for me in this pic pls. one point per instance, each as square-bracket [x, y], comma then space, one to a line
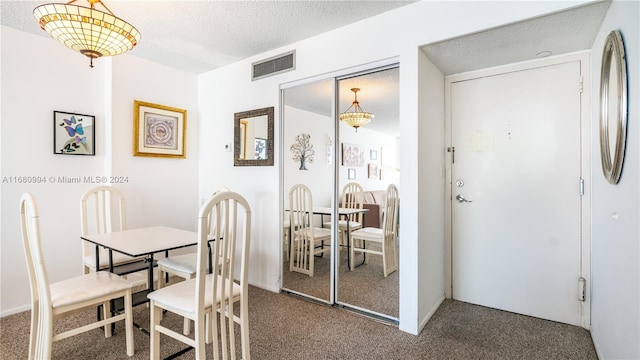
[364, 287]
[284, 327]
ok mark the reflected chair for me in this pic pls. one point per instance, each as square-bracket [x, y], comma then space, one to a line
[385, 237]
[352, 198]
[214, 293]
[183, 266]
[103, 211]
[307, 241]
[51, 302]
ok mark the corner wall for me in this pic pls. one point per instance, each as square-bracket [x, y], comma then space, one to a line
[39, 75]
[615, 252]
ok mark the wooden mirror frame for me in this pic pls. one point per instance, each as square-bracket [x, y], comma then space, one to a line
[238, 117]
[613, 107]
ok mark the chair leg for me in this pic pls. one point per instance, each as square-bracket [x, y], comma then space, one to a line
[128, 310]
[155, 335]
[352, 253]
[106, 313]
[214, 331]
[201, 352]
[35, 318]
[244, 326]
[186, 326]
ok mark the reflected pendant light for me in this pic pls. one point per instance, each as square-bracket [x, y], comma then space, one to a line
[89, 31]
[357, 117]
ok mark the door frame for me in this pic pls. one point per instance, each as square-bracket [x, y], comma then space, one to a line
[583, 84]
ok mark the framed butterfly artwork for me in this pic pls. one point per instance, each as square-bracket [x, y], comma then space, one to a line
[73, 134]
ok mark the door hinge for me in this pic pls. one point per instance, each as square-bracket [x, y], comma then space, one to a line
[582, 288]
[581, 186]
[452, 150]
[581, 85]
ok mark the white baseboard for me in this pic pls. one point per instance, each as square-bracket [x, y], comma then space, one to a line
[433, 310]
[15, 310]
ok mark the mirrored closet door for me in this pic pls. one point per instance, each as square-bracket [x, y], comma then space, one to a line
[308, 181]
[326, 153]
[369, 159]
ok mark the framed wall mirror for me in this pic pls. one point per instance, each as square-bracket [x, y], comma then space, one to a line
[613, 107]
[253, 137]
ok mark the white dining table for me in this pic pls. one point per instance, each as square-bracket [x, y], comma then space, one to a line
[326, 210]
[142, 242]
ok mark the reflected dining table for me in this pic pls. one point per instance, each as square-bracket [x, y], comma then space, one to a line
[342, 212]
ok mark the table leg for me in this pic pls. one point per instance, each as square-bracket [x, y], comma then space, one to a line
[150, 260]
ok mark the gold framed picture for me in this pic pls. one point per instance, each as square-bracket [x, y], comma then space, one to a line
[159, 131]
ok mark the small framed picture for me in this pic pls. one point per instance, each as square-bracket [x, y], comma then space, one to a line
[73, 134]
[373, 154]
[159, 131]
[373, 171]
[351, 173]
[261, 149]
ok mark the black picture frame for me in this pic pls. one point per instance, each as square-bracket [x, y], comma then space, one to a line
[73, 133]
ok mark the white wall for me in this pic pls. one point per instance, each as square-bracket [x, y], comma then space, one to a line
[39, 75]
[383, 144]
[47, 75]
[397, 34]
[615, 253]
[36, 80]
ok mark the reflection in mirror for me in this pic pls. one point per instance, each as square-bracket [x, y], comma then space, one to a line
[613, 107]
[253, 140]
[374, 167]
[307, 129]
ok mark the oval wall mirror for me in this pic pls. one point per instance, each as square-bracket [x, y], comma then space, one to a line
[253, 138]
[613, 107]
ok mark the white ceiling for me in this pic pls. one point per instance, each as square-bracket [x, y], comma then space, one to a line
[559, 33]
[199, 36]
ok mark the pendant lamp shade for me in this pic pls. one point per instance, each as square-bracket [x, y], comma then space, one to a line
[357, 117]
[88, 31]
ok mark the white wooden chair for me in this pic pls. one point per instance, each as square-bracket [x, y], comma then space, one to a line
[307, 241]
[352, 198]
[183, 266]
[216, 292]
[103, 211]
[50, 302]
[385, 237]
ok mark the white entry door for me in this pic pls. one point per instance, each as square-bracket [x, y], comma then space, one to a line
[516, 225]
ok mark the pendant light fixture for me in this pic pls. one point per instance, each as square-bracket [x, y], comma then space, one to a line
[89, 31]
[357, 117]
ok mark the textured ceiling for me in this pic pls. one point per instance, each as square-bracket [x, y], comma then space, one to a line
[559, 33]
[198, 36]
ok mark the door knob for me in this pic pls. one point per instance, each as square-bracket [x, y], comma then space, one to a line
[461, 199]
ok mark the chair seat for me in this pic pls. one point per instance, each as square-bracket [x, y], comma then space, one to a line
[182, 295]
[182, 263]
[342, 224]
[319, 232]
[118, 259]
[368, 233]
[82, 288]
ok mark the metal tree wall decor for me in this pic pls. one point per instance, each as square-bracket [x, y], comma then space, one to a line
[302, 150]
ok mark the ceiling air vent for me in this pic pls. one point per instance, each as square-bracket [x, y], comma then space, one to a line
[272, 66]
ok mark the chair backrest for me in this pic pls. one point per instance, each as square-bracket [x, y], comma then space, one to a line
[40, 294]
[301, 210]
[390, 217]
[212, 224]
[232, 215]
[102, 210]
[352, 198]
